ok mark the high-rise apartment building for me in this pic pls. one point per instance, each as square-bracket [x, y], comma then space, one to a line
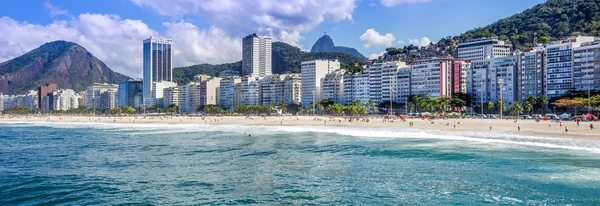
[559, 65]
[130, 93]
[272, 89]
[208, 91]
[586, 66]
[292, 89]
[184, 99]
[251, 91]
[256, 55]
[332, 86]
[170, 96]
[229, 92]
[311, 74]
[356, 87]
[531, 73]
[44, 91]
[483, 48]
[389, 82]
[102, 96]
[438, 77]
[503, 78]
[158, 66]
[375, 89]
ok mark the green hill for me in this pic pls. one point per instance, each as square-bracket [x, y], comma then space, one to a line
[286, 58]
[548, 21]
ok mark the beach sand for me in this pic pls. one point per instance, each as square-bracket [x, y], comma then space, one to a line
[528, 127]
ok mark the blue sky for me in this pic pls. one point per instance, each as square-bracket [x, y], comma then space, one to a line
[210, 31]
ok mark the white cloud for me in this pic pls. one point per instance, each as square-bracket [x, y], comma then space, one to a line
[193, 45]
[391, 3]
[285, 20]
[375, 56]
[420, 42]
[54, 10]
[400, 42]
[373, 38]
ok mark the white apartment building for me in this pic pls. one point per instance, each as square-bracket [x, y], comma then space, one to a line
[503, 78]
[483, 48]
[170, 96]
[431, 78]
[102, 96]
[184, 99]
[477, 84]
[402, 89]
[389, 81]
[272, 89]
[332, 86]
[64, 99]
[292, 89]
[158, 91]
[311, 74]
[251, 91]
[375, 90]
[586, 66]
[229, 92]
[256, 55]
[559, 65]
[356, 87]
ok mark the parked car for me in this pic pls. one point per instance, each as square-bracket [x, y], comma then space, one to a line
[482, 116]
[526, 117]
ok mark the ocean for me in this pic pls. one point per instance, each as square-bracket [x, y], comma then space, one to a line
[160, 164]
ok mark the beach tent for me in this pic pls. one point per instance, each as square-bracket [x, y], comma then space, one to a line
[565, 115]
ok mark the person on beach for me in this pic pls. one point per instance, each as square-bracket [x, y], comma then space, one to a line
[591, 126]
[519, 128]
[566, 129]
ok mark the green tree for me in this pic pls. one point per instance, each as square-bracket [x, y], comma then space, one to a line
[491, 107]
[527, 106]
[336, 109]
[543, 100]
[501, 104]
[516, 109]
[128, 110]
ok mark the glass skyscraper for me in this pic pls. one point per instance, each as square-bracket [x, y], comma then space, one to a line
[158, 66]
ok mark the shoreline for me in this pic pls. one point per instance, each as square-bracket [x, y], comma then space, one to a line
[528, 127]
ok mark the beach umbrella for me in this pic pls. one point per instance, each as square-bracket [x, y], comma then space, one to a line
[588, 115]
[565, 115]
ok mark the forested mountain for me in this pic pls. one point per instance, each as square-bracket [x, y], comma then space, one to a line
[67, 64]
[551, 20]
[286, 58]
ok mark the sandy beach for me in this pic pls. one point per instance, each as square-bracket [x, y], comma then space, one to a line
[527, 127]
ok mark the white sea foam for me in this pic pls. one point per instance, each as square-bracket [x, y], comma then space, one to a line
[491, 139]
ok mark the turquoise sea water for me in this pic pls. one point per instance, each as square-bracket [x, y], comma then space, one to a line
[108, 164]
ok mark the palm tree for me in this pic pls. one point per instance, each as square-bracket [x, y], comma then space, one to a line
[418, 102]
[283, 106]
[320, 107]
[336, 109]
[532, 100]
[491, 107]
[527, 106]
[371, 105]
[502, 105]
[543, 100]
[516, 109]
